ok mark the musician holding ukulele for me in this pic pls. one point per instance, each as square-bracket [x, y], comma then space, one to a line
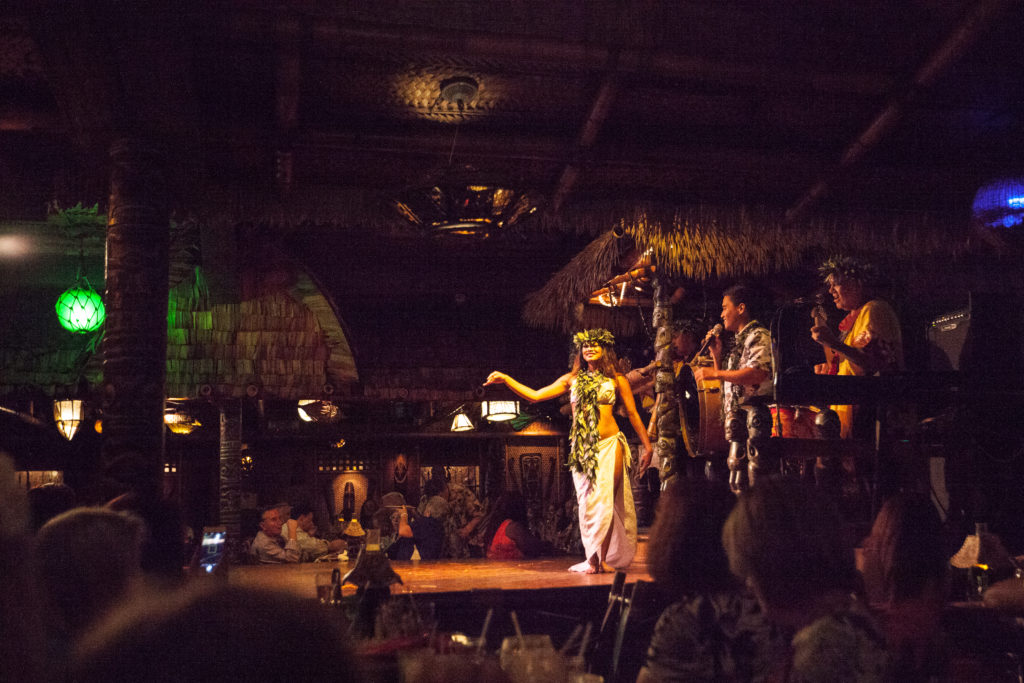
[869, 340]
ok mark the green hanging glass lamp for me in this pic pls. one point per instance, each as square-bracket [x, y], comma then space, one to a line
[80, 308]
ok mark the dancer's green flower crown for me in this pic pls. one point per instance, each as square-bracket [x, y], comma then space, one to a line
[599, 336]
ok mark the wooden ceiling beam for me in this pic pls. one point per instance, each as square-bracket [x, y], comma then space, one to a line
[335, 34]
[979, 18]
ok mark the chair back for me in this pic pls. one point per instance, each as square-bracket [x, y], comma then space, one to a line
[639, 615]
[599, 652]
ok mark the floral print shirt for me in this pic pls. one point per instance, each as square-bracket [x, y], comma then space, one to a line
[753, 349]
[464, 506]
[844, 646]
[714, 637]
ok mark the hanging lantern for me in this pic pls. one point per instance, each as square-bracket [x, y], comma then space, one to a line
[462, 423]
[181, 422]
[80, 308]
[318, 410]
[178, 418]
[499, 411]
[67, 414]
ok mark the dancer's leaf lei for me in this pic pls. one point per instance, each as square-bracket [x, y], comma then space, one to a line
[584, 434]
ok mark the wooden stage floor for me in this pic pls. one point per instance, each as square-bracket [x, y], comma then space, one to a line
[442, 576]
[545, 595]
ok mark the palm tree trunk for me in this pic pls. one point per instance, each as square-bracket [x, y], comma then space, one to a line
[135, 337]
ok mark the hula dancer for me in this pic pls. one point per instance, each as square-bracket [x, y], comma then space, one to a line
[598, 453]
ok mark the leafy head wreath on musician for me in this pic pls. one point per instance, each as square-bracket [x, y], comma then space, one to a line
[596, 387]
[869, 339]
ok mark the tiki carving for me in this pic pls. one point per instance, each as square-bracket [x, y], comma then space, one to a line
[736, 434]
[667, 414]
[230, 483]
[762, 458]
[827, 470]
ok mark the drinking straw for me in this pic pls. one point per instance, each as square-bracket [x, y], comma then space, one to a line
[519, 631]
[572, 639]
[586, 639]
[483, 631]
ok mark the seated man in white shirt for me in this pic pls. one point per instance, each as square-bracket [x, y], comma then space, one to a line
[310, 546]
[271, 546]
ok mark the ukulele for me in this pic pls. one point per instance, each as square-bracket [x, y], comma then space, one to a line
[819, 317]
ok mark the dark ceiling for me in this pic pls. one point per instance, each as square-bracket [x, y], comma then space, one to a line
[283, 111]
[903, 104]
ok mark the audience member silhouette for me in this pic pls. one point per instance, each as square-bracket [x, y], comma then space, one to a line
[906, 579]
[22, 655]
[715, 630]
[164, 548]
[211, 631]
[49, 500]
[89, 559]
[788, 543]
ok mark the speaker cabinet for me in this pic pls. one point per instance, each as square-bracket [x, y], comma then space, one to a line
[982, 341]
[947, 335]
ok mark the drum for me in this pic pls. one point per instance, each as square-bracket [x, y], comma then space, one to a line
[701, 408]
[797, 422]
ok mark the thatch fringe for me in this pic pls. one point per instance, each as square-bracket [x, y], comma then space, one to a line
[709, 244]
[557, 305]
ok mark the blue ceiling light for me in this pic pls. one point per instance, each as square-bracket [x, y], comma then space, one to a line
[1000, 203]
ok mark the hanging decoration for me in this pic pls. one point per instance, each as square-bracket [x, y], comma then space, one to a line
[318, 410]
[80, 308]
[67, 413]
[499, 411]
[179, 419]
[461, 421]
[459, 201]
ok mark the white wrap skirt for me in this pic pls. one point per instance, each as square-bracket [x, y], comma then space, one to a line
[602, 508]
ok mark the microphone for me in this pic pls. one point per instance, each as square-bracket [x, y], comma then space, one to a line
[713, 332]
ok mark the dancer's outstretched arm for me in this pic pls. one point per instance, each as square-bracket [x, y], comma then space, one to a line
[557, 388]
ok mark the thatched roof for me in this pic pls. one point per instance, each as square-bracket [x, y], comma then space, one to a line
[278, 332]
[283, 341]
[709, 245]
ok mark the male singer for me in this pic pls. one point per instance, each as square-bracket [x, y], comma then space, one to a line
[747, 376]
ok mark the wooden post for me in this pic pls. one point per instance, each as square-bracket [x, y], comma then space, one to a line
[667, 412]
[135, 337]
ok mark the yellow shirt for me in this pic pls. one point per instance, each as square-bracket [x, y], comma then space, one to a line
[876, 330]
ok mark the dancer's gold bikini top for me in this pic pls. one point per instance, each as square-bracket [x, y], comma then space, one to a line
[605, 393]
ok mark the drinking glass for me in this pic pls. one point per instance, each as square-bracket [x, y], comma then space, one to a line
[324, 588]
[532, 658]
